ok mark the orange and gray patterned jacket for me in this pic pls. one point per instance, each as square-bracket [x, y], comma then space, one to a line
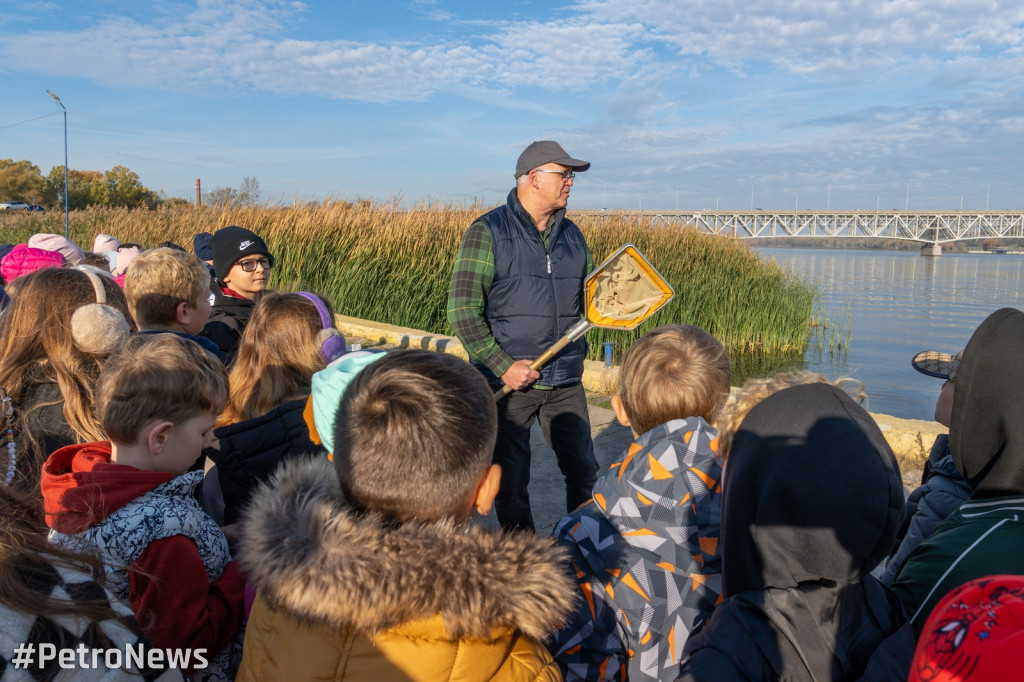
[646, 558]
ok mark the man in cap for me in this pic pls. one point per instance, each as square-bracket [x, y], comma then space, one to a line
[517, 287]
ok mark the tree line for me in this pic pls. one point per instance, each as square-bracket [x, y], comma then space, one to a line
[117, 187]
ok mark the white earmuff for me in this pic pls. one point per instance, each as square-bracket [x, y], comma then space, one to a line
[97, 328]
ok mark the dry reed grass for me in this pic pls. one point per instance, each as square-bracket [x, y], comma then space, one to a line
[378, 262]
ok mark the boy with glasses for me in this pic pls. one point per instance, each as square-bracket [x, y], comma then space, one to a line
[242, 264]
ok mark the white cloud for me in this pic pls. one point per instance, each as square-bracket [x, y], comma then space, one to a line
[236, 44]
[231, 45]
[813, 37]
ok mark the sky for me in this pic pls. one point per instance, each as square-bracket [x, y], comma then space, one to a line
[690, 104]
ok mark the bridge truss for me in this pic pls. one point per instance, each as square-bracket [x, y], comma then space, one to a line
[929, 227]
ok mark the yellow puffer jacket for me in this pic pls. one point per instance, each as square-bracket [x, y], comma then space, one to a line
[279, 647]
[344, 597]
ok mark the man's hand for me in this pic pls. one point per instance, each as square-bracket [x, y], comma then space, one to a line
[519, 375]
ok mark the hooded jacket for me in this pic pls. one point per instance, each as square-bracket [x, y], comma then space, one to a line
[985, 536]
[811, 504]
[163, 554]
[645, 554]
[345, 596]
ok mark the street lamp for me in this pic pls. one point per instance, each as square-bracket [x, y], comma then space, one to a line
[57, 100]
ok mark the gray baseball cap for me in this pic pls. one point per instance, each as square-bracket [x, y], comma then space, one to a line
[547, 151]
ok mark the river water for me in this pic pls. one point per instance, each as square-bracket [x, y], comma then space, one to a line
[888, 305]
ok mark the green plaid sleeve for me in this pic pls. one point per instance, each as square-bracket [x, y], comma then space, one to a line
[472, 277]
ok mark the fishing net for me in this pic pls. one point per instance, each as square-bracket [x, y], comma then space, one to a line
[625, 290]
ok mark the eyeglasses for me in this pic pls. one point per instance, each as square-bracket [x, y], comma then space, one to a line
[566, 174]
[249, 265]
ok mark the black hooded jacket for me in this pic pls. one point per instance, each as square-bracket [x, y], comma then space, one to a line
[986, 429]
[985, 536]
[812, 500]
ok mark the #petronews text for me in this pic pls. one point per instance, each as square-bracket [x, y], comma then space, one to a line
[82, 657]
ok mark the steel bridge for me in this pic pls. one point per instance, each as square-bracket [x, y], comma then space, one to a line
[930, 228]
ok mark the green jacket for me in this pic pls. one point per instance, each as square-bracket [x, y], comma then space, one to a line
[981, 538]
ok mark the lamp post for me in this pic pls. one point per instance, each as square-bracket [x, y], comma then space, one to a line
[57, 100]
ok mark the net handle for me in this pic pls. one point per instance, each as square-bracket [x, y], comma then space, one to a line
[575, 332]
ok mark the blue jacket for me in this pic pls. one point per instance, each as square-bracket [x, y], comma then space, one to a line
[537, 293]
[942, 490]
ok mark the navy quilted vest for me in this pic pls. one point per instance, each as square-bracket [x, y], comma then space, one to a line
[536, 294]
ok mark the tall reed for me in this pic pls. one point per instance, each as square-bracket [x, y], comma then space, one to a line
[377, 262]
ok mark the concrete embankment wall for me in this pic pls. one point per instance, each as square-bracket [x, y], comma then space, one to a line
[911, 439]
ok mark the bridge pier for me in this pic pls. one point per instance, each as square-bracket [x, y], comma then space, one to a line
[931, 250]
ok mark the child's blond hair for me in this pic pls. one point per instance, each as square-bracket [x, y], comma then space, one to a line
[674, 371]
[154, 377]
[755, 390]
[414, 433]
[160, 279]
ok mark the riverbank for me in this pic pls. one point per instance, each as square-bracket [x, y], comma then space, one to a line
[910, 439]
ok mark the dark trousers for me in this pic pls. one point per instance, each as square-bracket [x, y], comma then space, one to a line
[565, 423]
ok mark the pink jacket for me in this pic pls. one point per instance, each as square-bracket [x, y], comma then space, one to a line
[24, 259]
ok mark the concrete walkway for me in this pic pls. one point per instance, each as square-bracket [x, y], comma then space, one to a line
[547, 486]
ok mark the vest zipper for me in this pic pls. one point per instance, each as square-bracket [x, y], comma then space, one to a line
[554, 301]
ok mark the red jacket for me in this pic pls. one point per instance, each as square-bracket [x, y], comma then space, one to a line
[169, 589]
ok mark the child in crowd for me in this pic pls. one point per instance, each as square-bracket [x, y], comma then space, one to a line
[169, 291]
[71, 251]
[327, 388]
[942, 487]
[644, 550]
[49, 363]
[367, 569]
[23, 259]
[985, 535]
[811, 502]
[104, 253]
[757, 389]
[974, 634]
[126, 253]
[201, 247]
[104, 243]
[50, 595]
[263, 422]
[242, 263]
[131, 501]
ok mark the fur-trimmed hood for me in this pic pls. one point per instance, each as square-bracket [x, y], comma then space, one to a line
[312, 556]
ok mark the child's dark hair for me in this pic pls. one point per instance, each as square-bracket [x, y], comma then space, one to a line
[413, 434]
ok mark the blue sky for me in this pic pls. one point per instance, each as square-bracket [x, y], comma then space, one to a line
[779, 103]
